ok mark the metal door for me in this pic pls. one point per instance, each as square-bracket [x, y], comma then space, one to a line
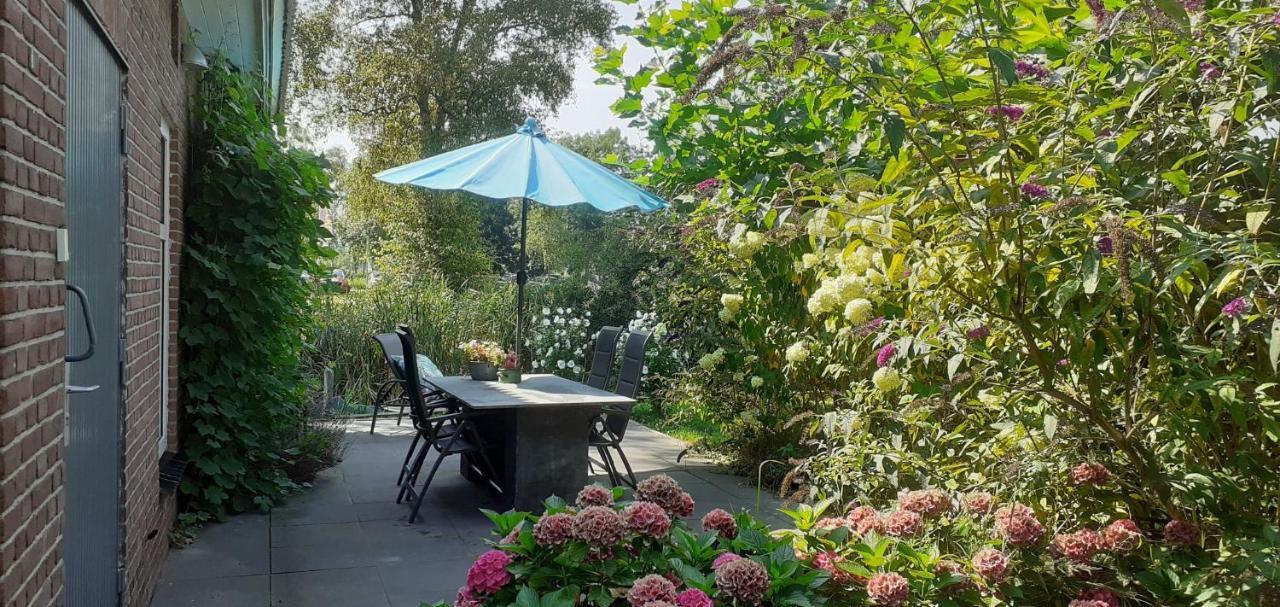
[94, 187]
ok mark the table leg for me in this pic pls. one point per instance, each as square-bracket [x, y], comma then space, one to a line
[545, 454]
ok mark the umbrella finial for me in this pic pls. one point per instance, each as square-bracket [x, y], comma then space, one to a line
[530, 127]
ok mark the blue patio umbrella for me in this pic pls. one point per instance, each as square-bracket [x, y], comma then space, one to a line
[525, 166]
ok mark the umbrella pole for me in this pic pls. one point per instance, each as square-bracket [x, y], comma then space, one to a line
[522, 277]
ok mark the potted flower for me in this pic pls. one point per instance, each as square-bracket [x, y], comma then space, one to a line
[483, 358]
[510, 371]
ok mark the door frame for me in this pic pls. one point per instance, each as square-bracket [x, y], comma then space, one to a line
[115, 342]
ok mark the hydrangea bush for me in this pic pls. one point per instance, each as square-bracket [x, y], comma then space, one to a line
[1000, 245]
[606, 552]
[558, 343]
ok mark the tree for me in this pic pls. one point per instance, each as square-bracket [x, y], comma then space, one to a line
[412, 78]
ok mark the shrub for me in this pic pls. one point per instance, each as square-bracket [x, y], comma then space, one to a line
[251, 233]
[1058, 215]
[635, 553]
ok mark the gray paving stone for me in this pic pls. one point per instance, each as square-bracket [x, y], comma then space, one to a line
[407, 584]
[322, 534]
[240, 591]
[355, 587]
[238, 547]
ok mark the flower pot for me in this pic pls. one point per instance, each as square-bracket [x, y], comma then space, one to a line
[483, 371]
[509, 376]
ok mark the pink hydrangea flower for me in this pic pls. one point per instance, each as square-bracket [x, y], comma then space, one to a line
[1079, 546]
[1181, 533]
[647, 518]
[829, 561]
[865, 520]
[744, 580]
[1018, 525]
[1090, 474]
[1099, 595]
[930, 503]
[886, 354]
[599, 526]
[830, 522]
[666, 492]
[721, 523]
[467, 598]
[723, 560]
[888, 589]
[489, 573]
[650, 588]
[903, 523]
[991, 564]
[693, 598]
[979, 502]
[947, 568]
[553, 529]
[594, 495]
[1120, 536]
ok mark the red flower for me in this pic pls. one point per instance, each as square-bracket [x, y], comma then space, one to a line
[594, 495]
[599, 526]
[829, 561]
[1090, 474]
[903, 523]
[1181, 533]
[744, 580]
[693, 598]
[647, 518]
[1018, 525]
[1099, 595]
[979, 503]
[650, 588]
[929, 503]
[1079, 546]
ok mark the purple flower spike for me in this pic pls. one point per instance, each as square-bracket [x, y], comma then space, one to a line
[1236, 307]
[886, 354]
[1035, 190]
[1031, 70]
[1209, 71]
[978, 333]
[1011, 112]
[707, 184]
[1105, 246]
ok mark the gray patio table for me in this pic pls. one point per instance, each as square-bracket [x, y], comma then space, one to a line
[539, 429]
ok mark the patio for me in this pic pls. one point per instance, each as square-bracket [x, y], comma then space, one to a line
[345, 541]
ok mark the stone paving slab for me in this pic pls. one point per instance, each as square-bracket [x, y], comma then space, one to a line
[345, 541]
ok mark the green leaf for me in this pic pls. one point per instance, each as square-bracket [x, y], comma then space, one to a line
[1092, 271]
[1255, 215]
[1176, 11]
[1004, 62]
[1050, 425]
[1179, 180]
[528, 597]
[1275, 344]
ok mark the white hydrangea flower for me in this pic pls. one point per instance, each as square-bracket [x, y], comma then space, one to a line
[825, 299]
[546, 322]
[731, 302]
[745, 243]
[850, 286]
[886, 379]
[560, 364]
[809, 260]
[822, 226]
[573, 365]
[797, 352]
[989, 398]
[546, 311]
[712, 360]
[756, 381]
[858, 311]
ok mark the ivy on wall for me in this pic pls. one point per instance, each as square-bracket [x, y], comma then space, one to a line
[252, 234]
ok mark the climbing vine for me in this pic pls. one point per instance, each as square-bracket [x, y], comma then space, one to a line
[252, 235]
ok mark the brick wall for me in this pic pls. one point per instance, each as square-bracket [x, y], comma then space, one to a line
[33, 85]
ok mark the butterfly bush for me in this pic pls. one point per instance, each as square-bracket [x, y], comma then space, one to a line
[631, 552]
[558, 342]
[1061, 216]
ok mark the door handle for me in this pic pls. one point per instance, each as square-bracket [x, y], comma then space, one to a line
[71, 389]
[88, 323]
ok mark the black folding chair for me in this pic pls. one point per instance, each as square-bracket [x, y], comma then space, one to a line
[432, 397]
[447, 430]
[391, 393]
[609, 428]
[606, 347]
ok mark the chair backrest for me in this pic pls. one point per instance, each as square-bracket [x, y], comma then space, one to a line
[632, 364]
[391, 347]
[412, 385]
[602, 357]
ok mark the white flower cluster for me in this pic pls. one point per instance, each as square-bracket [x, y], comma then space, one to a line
[659, 357]
[744, 243]
[712, 360]
[731, 302]
[557, 342]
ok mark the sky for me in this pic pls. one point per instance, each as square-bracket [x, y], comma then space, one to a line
[588, 109]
